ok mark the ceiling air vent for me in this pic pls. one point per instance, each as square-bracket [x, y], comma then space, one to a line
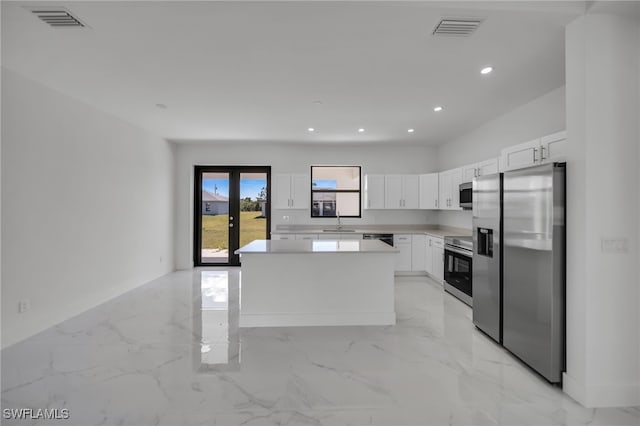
[457, 27]
[57, 17]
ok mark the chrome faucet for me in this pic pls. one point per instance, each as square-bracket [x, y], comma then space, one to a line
[338, 216]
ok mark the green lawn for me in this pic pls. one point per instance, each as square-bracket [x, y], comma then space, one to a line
[215, 229]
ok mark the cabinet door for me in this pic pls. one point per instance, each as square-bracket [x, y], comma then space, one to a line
[418, 249]
[522, 155]
[300, 191]
[456, 180]
[469, 172]
[350, 236]
[393, 191]
[306, 236]
[283, 236]
[444, 189]
[554, 147]
[429, 191]
[281, 192]
[403, 258]
[374, 192]
[488, 167]
[428, 255]
[410, 192]
[437, 259]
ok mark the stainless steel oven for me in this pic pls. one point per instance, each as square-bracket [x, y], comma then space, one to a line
[458, 255]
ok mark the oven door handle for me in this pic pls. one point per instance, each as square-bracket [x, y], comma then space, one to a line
[458, 251]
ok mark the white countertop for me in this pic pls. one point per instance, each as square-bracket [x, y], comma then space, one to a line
[435, 231]
[316, 246]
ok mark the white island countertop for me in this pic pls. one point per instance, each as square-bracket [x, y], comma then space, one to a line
[315, 246]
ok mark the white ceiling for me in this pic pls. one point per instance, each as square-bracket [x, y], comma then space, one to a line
[256, 70]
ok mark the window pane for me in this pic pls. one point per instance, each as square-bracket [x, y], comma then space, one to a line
[335, 177]
[348, 203]
[330, 203]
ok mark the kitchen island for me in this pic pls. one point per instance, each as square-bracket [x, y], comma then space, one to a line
[310, 283]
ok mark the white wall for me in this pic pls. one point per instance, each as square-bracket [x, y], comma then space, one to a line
[290, 158]
[541, 116]
[106, 188]
[603, 202]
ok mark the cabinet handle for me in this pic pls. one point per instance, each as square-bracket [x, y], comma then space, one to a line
[535, 151]
[542, 154]
[436, 202]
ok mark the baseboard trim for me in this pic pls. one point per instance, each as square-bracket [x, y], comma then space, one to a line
[622, 395]
[316, 319]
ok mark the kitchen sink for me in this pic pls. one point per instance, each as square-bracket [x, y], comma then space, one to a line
[338, 230]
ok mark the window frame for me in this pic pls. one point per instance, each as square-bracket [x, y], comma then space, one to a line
[336, 191]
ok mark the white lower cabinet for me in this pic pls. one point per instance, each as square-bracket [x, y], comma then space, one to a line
[340, 236]
[306, 236]
[403, 259]
[434, 257]
[418, 247]
[283, 236]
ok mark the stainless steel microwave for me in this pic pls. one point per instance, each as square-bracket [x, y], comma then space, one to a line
[466, 195]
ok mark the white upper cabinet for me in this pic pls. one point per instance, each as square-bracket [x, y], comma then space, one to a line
[429, 191]
[411, 192]
[522, 155]
[290, 191]
[554, 147]
[374, 192]
[449, 189]
[402, 191]
[488, 167]
[469, 172]
[481, 168]
[538, 151]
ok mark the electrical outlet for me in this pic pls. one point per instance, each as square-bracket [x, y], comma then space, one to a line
[614, 245]
[285, 218]
[24, 305]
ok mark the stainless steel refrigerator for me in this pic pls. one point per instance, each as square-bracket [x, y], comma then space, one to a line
[534, 267]
[519, 264]
[487, 255]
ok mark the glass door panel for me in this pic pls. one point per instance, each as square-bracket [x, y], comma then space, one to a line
[253, 207]
[215, 218]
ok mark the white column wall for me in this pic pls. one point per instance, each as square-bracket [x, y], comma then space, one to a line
[603, 109]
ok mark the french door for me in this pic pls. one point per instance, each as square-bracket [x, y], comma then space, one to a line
[231, 209]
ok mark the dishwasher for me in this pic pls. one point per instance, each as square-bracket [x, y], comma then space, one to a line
[385, 238]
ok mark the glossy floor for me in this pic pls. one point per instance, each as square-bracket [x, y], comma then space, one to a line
[171, 353]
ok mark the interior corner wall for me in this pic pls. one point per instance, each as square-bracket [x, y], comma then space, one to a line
[542, 116]
[296, 158]
[603, 203]
[87, 207]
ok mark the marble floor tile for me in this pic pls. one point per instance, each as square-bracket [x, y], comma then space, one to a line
[171, 353]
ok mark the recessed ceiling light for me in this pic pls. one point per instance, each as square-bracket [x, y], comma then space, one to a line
[438, 109]
[361, 130]
[161, 106]
[486, 70]
[311, 129]
[411, 130]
